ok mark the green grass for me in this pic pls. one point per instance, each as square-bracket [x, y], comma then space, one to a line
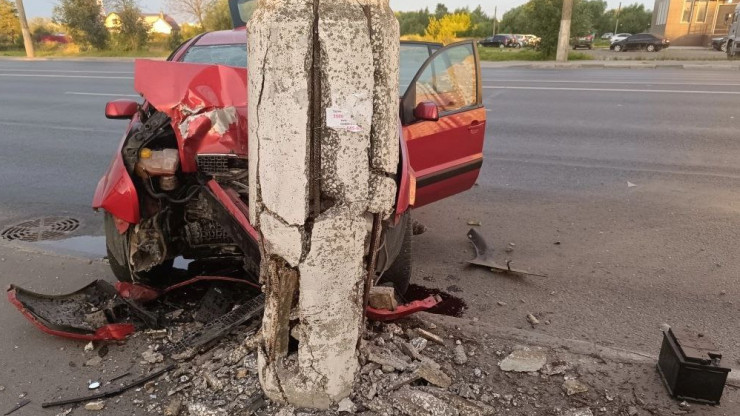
[500, 55]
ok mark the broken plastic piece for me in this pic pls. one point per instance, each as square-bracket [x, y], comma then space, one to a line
[114, 392]
[484, 257]
[403, 311]
[103, 318]
[93, 385]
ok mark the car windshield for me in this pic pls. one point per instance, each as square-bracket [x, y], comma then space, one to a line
[413, 56]
[230, 55]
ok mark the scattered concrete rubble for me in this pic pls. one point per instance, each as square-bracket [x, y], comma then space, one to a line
[524, 361]
[412, 367]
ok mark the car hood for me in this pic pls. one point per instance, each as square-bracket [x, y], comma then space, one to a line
[207, 105]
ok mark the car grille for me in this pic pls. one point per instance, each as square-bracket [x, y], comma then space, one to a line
[220, 164]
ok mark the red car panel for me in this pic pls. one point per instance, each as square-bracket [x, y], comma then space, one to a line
[198, 99]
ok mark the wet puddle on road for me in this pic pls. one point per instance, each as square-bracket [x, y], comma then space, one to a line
[90, 247]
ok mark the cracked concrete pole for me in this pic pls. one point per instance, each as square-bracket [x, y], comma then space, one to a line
[323, 153]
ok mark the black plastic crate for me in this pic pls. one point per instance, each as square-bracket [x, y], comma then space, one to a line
[690, 367]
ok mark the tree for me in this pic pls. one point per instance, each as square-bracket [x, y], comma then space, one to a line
[440, 11]
[217, 16]
[446, 29]
[516, 20]
[632, 19]
[193, 8]
[481, 25]
[413, 23]
[10, 26]
[84, 20]
[133, 32]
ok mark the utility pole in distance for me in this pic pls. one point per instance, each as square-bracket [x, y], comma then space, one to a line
[495, 20]
[27, 41]
[616, 24]
[564, 35]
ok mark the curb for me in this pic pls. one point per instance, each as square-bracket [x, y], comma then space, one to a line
[700, 65]
[574, 346]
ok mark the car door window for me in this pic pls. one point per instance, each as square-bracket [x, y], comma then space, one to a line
[413, 56]
[450, 79]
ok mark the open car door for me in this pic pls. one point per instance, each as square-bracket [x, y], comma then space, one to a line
[444, 121]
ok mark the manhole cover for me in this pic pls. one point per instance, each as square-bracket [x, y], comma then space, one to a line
[48, 228]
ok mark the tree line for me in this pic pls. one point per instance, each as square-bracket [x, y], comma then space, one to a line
[84, 22]
[537, 17]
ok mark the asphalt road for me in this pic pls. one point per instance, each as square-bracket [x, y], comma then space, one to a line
[561, 148]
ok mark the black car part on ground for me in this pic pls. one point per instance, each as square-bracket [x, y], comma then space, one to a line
[114, 392]
[484, 257]
[93, 312]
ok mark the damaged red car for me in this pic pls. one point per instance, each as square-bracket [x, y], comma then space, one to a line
[177, 186]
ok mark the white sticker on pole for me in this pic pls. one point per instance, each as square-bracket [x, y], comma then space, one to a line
[340, 119]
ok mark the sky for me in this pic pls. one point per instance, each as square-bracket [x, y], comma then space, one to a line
[42, 8]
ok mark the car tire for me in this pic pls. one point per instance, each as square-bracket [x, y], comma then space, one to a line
[618, 48]
[399, 273]
[117, 244]
[723, 47]
[651, 48]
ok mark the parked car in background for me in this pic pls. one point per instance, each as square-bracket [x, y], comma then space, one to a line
[522, 40]
[607, 35]
[533, 41]
[56, 38]
[642, 41]
[619, 36]
[720, 44]
[499, 41]
[582, 42]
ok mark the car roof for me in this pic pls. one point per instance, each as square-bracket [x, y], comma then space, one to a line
[223, 37]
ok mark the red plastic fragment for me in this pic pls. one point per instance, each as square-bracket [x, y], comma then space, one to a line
[136, 292]
[111, 332]
[402, 311]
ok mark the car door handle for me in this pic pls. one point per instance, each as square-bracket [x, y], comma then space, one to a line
[475, 126]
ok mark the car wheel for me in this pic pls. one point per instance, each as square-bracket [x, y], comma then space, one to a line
[617, 48]
[117, 247]
[723, 47]
[399, 273]
[650, 48]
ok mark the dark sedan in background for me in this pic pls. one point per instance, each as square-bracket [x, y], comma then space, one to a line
[641, 41]
[500, 41]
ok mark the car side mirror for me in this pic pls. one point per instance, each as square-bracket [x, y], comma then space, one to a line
[121, 109]
[427, 111]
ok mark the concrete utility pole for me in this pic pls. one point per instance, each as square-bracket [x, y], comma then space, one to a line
[616, 23]
[495, 19]
[27, 40]
[323, 152]
[564, 35]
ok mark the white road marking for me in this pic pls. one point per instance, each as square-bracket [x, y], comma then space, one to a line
[63, 76]
[505, 87]
[102, 94]
[542, 81]
[46, 126]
